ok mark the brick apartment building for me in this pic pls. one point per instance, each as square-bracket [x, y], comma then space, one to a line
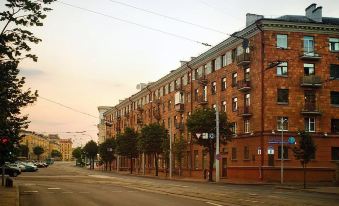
[275, 74]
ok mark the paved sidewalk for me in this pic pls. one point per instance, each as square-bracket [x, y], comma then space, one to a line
[9, 196]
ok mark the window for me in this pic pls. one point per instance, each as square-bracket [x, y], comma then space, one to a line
[234, 104]
[189, 77]
[247, 100]
[223, 106]
[196, 159]
[335, 153]
[309, 69]
[223, 84]
[308, 45]
[334, 71]
[233, 128]
[246, 153]
[282, 69]
[334, 44]
[208, 68]
[227, 58]
[196, 74]
[285, 152]
[335, 98]
[234, 153]
[282, 122]
[169, 105]
[282, 41]
[234, 79]
[213, 87]
[335, 125]
[282, 96]
[218, 63]
[247, 126]
[188, 95]
[309, 124]
[247, 74]
[196, 94]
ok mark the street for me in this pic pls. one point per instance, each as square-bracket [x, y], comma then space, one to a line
[64, 184]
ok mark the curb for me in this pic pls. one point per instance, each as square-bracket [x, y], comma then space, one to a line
[305, 190]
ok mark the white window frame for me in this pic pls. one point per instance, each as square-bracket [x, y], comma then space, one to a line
[281, 68]
[282, 41]
[308, 122]
[335, 41]
[247, 126]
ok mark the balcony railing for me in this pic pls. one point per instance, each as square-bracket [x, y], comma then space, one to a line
[244, 85]
[156, 114]
[243, 59]
[311, 109]
[139, 108]
[245, 111]
[180, 107]
[180, 126]
[157, 101]
[310, 56]
[203, 80]
[126, 114]
[310, 81]
[202, 100]
[178, 87]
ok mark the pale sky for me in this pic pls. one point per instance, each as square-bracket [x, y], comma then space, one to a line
[87, 60]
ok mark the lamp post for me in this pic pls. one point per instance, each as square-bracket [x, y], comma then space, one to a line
[282, 150]
[217, 161]
[170, 155]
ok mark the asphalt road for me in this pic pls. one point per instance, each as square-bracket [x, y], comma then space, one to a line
[63, 184]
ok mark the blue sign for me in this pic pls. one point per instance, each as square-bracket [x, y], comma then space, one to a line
[291, 140]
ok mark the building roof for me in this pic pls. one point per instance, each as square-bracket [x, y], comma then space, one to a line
[304, 19]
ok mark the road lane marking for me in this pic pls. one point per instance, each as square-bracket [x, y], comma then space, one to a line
[53, 188]
[212, 203]
[67, 192]
[177, 185]
[31, 191]
[116, 191]
[84, 192]
[29, 184]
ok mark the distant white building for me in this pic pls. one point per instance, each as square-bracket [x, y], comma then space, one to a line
[102, 124]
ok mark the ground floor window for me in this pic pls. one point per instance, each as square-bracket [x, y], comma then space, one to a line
[246, 153]
[335, 153]
[285, 152]
[234, 153]
[335, 125]
[196, 159]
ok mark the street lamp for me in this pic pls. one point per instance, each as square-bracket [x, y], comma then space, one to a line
[282, 120]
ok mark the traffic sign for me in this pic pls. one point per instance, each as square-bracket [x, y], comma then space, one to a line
[198, 135]
[291, 140]
[270, 150]
[205, 135]
[211, 135]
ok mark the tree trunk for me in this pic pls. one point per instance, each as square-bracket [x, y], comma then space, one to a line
[110, 165]
[131, 166]
[156, 164]
[304, 166]
[211, 154]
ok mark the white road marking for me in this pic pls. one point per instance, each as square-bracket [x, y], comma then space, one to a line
[84, 192]
[29, 184]
[116, 191]
[67, 192]
[252, 194]
[212, 203]
[32, 191]
[177, 185]
[53, 188]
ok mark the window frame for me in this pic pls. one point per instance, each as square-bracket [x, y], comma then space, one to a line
[307, 66]
[281, 69]
[308, 123]
[234, 104]
[282, 39]
[282, 96]
[234, 79]
[285, 148]
[223, 83]
[334, 95]
[285, 123]
[333, 43]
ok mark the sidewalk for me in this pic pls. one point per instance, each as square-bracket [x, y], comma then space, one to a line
[9, 196]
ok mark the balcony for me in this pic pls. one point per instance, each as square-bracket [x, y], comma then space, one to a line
[243, 59]
[178, 88]
[180, 126]
[310, 109]
[244, 111]
[156, 114]
[139, 108]
[157, 101]
[310, 56]
[310, 81]
[202, 100]
[140, 121]
[203, 80]
[126, 114]
[180, 107]
[244, 85]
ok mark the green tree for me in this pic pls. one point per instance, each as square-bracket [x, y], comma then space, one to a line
[14, 37]
[37, 150]
[203, 120]
[56, 154]
[91, 151]
[77, 154]
[24, 150]
[106, 152]
[179, 148]
[305, 151]
[151, 141]
[127, 145]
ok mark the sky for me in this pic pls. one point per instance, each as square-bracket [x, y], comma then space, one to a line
[88, 60]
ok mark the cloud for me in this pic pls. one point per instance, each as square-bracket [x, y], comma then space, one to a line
[31, 72]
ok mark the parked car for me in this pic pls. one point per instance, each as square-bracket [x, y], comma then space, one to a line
[30, 167]
[12, 171]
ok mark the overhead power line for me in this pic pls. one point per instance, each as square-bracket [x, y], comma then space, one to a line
[133, 23]
[167, 17]
[70, 108]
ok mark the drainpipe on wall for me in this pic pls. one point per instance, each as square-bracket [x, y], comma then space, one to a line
[261, 172]
[191, 140]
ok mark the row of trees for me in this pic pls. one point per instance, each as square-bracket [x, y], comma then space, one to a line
[23, 151]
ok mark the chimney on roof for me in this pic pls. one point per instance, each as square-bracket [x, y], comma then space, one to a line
[313, 12]
[182, 63]
[251, 18]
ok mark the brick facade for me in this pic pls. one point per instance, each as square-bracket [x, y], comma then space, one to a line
[262, 109]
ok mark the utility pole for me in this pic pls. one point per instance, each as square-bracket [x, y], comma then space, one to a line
[170, 155]
[217, 149]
